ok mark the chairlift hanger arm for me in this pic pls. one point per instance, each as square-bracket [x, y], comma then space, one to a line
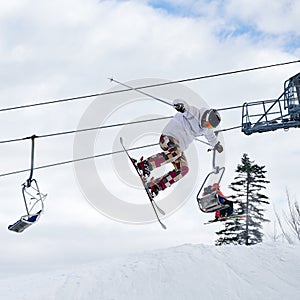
[29, 180]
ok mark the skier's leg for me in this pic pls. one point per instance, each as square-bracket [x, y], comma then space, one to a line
[171, 153]
[180, 170]
[230, 208]
[227, 211]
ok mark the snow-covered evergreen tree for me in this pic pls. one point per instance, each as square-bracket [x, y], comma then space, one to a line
[247, 187]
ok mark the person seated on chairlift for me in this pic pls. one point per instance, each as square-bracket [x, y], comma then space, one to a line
[219, 214]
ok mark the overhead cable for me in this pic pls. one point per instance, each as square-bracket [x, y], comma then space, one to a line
[146, 86]
[94, 156]
[122, 124]
[84, 130]
[74, 160]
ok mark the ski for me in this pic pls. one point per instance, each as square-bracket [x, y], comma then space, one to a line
[153, 203]
[225, 219]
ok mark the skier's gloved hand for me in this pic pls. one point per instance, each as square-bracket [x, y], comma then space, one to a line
[179, 107]
[218, 147]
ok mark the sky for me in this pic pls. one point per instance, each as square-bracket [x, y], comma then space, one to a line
[53, 50]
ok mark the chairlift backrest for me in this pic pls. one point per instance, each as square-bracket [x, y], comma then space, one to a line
[32, 196]
[210, 201]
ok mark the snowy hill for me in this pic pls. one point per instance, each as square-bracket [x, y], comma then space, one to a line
[266, 271]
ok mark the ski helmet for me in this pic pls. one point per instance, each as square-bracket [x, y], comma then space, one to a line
[210, 119]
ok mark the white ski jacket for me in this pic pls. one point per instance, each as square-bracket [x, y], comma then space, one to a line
[186, 126]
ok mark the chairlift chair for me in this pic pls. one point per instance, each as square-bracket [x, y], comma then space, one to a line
[207, 197]
[33, 200]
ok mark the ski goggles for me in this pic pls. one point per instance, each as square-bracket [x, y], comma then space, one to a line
[208, 125]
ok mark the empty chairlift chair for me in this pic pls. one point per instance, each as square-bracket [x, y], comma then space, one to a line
[33, 200]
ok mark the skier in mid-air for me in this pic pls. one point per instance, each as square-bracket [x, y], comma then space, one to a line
[189, 123]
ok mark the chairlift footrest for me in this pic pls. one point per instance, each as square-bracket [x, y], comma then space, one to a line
[24, 222]
[20, 225]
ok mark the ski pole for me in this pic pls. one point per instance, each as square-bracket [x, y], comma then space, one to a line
[141, 92]
[201, 141]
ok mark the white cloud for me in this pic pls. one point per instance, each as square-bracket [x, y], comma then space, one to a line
[280, 17]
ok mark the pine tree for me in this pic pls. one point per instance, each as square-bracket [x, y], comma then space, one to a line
[247, 186]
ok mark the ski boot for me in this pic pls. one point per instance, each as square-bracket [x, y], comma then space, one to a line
[143, 167]
[153, 188]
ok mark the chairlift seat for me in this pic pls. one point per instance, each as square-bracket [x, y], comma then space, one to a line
[209, 201]
[25, 222]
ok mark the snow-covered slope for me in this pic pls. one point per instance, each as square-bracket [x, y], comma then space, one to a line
[266, 271]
